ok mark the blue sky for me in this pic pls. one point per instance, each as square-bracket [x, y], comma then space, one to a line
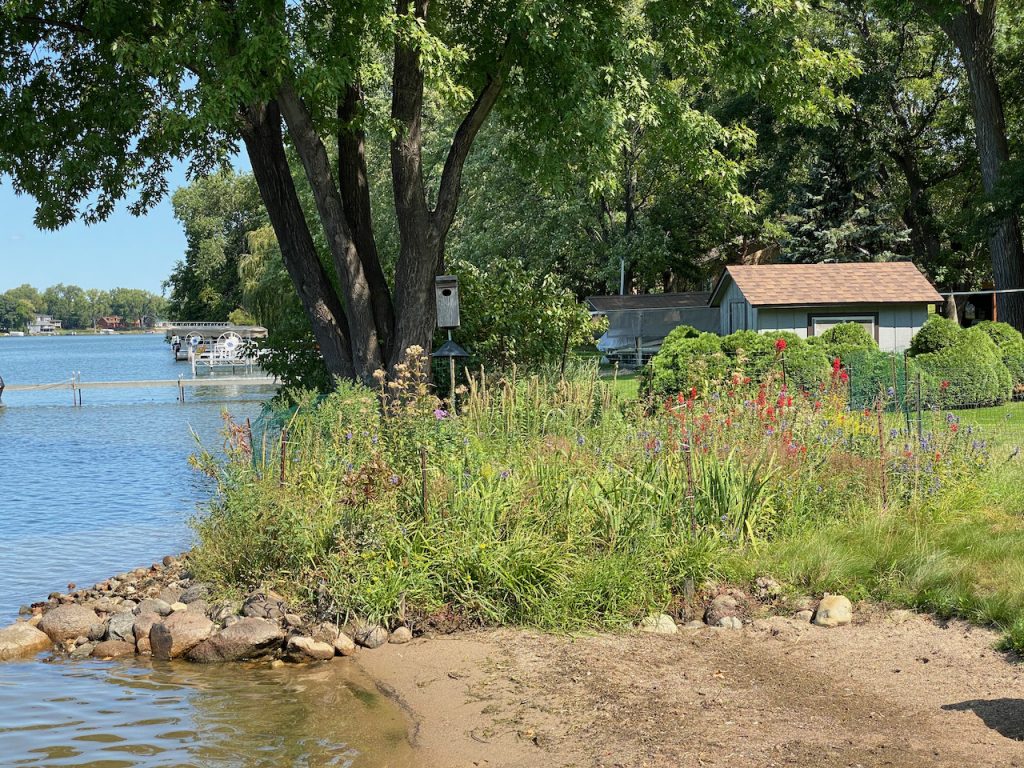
[123, 251]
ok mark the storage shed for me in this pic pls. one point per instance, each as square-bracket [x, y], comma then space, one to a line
[890, 299]
[638, 324]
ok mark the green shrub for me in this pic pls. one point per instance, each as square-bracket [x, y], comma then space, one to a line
[843, 340]
[806, 366]
[686, 361]
[1011, 347]
[936, 334]
[966, 374]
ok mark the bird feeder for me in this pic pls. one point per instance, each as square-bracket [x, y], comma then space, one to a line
[446, 294]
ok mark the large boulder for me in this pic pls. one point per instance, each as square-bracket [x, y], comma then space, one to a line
[22, 639]
[143, 625]
[833, 610]
[403, 634]
[659, 624]
[67, 622]
[113, 649]
[153, 605]
[723, 606]
[248, 638]
[301, 648]
[197, 591]
[178, 633]
[371, 636]
[121, 627]
[344, 645]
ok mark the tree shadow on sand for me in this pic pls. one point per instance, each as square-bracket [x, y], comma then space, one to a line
[1005, 716]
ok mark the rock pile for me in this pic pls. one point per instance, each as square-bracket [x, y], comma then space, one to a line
[732, 609]
[161, 611]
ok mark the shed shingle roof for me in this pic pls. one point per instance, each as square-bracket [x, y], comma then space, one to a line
[767, 285]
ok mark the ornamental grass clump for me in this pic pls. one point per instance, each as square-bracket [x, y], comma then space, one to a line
[537, 500]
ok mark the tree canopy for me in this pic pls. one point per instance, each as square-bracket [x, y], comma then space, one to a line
[99, 99]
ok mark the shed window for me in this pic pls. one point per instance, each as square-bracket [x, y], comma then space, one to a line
[822, 323]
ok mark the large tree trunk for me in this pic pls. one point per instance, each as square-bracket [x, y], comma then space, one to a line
[972, 31]
[918, 214]
[355, 290]
[261, 131]
[419, 253]
[355, 195]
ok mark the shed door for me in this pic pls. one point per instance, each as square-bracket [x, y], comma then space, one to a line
[737, 316]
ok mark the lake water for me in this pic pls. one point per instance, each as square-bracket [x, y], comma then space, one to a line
[89, 492]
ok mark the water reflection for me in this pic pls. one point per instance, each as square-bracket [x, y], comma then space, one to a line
[138, 714]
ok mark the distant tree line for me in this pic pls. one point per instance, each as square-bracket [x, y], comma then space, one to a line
[78, 308]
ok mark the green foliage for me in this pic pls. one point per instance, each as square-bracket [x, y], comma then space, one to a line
[843, 339]
[543, 502]
[1011, 347]
[77, 308]
[292, 356]
[937, 334]
[15, 314]
[968, 373]
[218, 213]
[515, 317]
[686, 361]
[959, 555]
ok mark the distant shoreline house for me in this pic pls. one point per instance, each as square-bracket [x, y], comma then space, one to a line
[109, 323]
[891, 300]
[43, 324]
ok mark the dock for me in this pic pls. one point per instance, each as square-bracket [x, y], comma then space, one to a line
[76, 386]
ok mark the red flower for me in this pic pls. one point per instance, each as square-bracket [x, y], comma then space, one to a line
[844, 376]
[780, 344]
[954, 427]
[944, 385]
[835, 365]
[693, 393]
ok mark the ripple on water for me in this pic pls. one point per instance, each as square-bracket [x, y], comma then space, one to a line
[86, 493]
[220, 716]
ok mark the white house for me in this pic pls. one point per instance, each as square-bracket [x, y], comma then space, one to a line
[43, 324]
[890, 299]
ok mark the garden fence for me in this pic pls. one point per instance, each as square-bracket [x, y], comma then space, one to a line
[917, 404]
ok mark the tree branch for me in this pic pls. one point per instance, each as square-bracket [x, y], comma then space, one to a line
[462, 142]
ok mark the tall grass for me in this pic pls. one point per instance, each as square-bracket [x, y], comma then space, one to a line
[547, 500]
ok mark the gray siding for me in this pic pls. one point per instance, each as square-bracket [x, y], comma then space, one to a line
[896, 326]
[734, 303]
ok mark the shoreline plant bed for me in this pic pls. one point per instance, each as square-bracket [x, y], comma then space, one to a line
[547, 502]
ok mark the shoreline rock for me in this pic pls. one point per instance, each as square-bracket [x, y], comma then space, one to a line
[163, 612]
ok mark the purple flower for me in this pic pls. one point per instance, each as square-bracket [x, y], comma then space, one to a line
[374, 440]
[440, 413]
[580, 440]
[506, 474]
[348, 435]
[393, 479]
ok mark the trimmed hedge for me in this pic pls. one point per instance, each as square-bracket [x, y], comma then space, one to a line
[1011, 348]
[688, 360]
[937, 334]
[843, 340]
[970, 372]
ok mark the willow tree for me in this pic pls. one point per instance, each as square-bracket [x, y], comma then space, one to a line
[98, 99]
